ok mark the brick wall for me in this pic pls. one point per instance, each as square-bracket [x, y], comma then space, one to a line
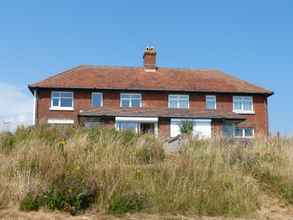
[82, 100]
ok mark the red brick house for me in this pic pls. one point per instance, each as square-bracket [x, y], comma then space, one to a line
[153, 99]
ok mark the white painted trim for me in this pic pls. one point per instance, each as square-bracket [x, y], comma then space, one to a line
[60, 121]
[35, 107]
[61, 108]
[138, 119]
[102, 99]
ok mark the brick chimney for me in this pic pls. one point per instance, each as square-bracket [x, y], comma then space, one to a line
[149, 59]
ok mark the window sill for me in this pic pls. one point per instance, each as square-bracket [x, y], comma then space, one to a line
[244, 113]
[61, 109]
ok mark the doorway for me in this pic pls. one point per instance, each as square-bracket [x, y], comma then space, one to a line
[147, 128]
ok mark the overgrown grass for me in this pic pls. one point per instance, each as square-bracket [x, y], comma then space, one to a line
[73, 169]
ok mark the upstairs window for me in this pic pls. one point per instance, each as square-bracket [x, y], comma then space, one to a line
[243, 104]
[61, 100]
[130, 100]
[244, 132]
[211, 102]
[97, 99]
[178, 101]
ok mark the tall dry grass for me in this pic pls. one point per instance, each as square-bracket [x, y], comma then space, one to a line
[76, 168]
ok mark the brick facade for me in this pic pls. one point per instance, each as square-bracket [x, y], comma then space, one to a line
[111, 99]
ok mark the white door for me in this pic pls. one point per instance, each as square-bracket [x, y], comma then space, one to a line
[202, 128]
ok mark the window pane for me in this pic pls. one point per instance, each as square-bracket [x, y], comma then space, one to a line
[66, 102]
[238, 132]
[135, 103]
[183, 104]
[55, 102]
[97, 99]
[55, 94]
[228, 130]
[125, 103]
[66, 94]
[132, 126]
[172, 104]
[237, 105]
[247, 105]
[248, 132]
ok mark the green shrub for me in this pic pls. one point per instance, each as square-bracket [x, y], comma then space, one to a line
[186, 127]
[69, 193]
[7, 142]
[127, 202]
[30, 203]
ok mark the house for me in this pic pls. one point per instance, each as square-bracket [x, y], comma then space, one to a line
[153, 99]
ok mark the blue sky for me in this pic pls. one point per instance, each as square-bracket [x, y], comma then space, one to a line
[250, 39]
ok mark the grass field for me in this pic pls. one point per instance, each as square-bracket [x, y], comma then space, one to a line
[109, 173]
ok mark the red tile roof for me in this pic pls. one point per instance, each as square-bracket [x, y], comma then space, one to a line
[136, 78]
[159, 112]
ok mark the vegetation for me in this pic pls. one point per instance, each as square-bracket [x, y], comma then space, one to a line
[186, 127]
[74, 169]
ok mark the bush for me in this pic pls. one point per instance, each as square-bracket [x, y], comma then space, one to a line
[186, 127]
[30, 203]
[7, 142]
[69, 193]
[127, 203]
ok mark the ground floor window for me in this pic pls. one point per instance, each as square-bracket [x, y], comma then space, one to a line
[244, 132]
[231, 130]
[128, 126]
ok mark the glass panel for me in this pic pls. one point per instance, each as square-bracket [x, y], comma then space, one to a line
[66, 94]
[66, 102]
[228, 130]
[132, 126]
[183, 104]
[55, 94]
[237, 105]
[247, 105]
[248, 132]
[97, 100]
[55, 102]
[135, 103]
[172, 104]
[238, 132]
[125, 103]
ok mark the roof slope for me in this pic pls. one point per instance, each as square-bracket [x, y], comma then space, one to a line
[136, 78]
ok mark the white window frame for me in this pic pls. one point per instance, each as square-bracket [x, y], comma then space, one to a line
[60, 121]
[59, 107]
[243, 133]
[130, 103]
[214, 97]
[102, 99]
[242, 111]
[178, 97]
